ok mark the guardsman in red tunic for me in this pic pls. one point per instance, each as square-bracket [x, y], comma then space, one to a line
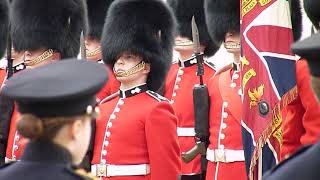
[182, 76]
[97, 11]
[225, 153]
[303, 164]
[302, 121]
[6, 105]
[43, 37]
[55, 117]
[136, 136]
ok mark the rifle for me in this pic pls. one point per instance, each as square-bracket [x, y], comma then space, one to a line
[201, 106]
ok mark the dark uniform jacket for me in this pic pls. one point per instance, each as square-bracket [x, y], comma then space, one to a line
[304, 164]
[42, 160]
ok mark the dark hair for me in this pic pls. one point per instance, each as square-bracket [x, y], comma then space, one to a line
[35, 128]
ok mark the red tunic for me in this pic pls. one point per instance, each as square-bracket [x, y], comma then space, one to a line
[3, 76]
[15, 143]
[225, 127]
[179, 89]
[302, 121]
[140, 129]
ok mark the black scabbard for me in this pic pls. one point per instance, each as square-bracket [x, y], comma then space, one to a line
[201, 111]
[201, 104]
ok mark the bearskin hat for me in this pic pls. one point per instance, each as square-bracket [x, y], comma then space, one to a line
[296, 18]
[4, 21]
[143, 27]
[97, 11]
[222, 16]
[54, 24]
[184, 10]
[312, 10]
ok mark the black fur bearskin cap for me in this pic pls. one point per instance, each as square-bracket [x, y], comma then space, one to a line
[51, 24]
[97, 11]
[222, 16]
[142, 27]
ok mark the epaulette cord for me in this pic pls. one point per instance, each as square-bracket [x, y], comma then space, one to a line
[157, 96]
[211, 65]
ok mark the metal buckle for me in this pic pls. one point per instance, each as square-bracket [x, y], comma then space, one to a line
[101, 170]
[219, 155]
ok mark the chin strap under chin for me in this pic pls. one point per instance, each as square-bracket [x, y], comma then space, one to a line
[232, 45]
[94, 52]
[44, 56]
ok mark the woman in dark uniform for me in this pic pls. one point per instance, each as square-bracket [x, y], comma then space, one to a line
[56, 103]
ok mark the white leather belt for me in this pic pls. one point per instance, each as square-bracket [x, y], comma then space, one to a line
[189, 132]
[7, 160]
[225, 155]
[108, 170]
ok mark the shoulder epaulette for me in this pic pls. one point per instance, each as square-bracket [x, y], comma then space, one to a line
[109, 98]
[211, 65]
[157, 96]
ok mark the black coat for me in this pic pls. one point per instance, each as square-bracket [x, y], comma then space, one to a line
[42, 160]
[302, 165]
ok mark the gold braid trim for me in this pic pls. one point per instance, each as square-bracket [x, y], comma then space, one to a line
[44, 56]
[94, 52]
[232, 45]
[185, 42]
[131, 71]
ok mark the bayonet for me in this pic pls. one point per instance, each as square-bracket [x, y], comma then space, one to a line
[195, 37]
[200, 106]
[83, 50]
[197, 50]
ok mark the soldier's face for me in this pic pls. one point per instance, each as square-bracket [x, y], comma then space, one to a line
[184, 47]
[125, 63]
[93, 49]
[30, 55]
[183, 44]
[232, 42]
